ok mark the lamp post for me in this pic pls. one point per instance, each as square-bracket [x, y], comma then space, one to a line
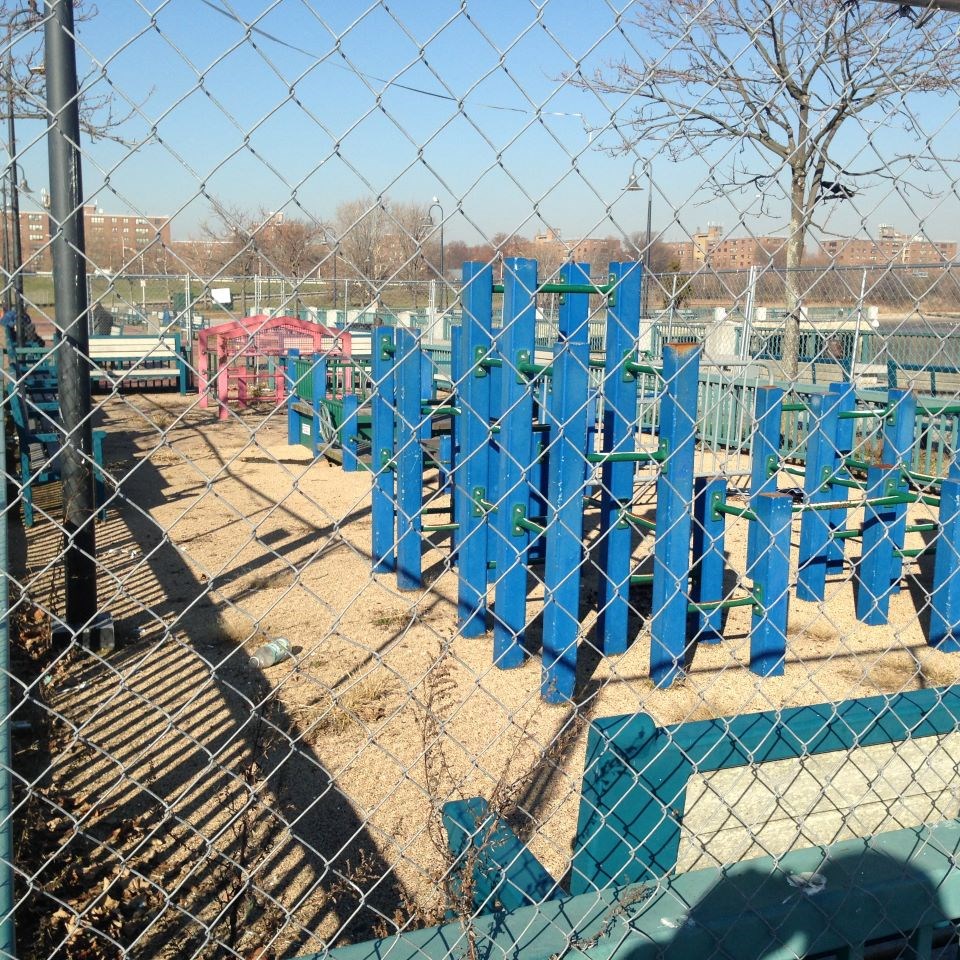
[633, 183]
[443, 280]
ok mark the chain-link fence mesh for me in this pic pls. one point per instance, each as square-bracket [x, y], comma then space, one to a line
[480, 480]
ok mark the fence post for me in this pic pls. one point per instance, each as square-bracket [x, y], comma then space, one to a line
[294, 428]
[470, 479]
[515, 442]
[409, 460]
[671, 562]
[945, 594]
[814, 524]
[384, 442]
[873, 584]
[706, 580]
[770, 571]
[764, 447]
[846, 402]
[620, 389]
[567, 415]
[899, 435]
[70, 296]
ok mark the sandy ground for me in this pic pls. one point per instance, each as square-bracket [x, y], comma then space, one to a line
[299, 806]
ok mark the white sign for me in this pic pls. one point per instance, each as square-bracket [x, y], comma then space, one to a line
[221, 295]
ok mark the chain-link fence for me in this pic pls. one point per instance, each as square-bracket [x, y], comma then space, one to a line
[481, 480]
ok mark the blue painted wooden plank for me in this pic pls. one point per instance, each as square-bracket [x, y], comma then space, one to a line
[814, 524]
[409, 459]
[567, 412]
[671, 567]
[348, 434]
[383, 499]
[293, 416]
[471, 477]
[899, 436]
[764, 447]
[770, 568]
[505, 874]
[709, 561]
[619, 388]
[455, 375]
[318, 393]
[945, 594]
[873, 585]
[846, 401]
[515, 443]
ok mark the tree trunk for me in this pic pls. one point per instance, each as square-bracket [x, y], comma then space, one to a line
[795, 247]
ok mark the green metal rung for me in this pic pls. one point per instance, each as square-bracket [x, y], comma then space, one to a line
[631, 366]
[439, 527]
[854, 464]
[641, 522]
[750, 601]
[449, 411]
[794, 407]
[847, 482]
[862, 414]
[535, 369]
[846, 534]
[890, 501]
[427, 510]
[627, 456]
[553, 287]
[911, 553]
[922, 527]
[640, 578]
[745, 513]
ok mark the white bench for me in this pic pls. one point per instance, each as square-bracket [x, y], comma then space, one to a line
[139, 357]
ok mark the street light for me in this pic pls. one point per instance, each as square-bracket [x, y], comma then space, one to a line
[443, 276]
[633, 184]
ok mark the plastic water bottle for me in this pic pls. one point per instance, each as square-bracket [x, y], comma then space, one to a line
[271, 653]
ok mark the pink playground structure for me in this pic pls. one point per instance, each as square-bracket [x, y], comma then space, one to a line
[240, 357]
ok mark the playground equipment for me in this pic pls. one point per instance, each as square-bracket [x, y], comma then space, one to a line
[628, 894]
[238, 359]
[523, 441]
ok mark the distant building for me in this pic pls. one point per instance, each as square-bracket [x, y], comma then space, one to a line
[111, 239]
[710, 247]
[888, 247]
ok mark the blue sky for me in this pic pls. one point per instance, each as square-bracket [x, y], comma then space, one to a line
[255, 123]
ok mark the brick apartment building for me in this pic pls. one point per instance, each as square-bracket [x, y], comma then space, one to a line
[112, 239]
[711, 247]
[888, 247]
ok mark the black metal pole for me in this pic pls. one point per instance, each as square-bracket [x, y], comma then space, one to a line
[16, 253]
[70, 299]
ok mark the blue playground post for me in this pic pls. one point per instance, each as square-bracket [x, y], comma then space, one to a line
[383, 506]
[764, 447]
[706, 580]
[671, 567]
[409, 460]
[771, 584]
[349, 439]
[898, 439]
[455, 374]
[293, 417]
[473, 465]
[619, 436]
[516, 453]
[873, 577]
[567, 415]
[814, 524]
[945, 595]
[318, 375]
[846, 402]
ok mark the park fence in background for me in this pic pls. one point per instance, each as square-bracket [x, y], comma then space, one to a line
[408, 555]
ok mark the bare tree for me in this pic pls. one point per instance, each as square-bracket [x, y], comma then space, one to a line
[784, 78]
[364, 231]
